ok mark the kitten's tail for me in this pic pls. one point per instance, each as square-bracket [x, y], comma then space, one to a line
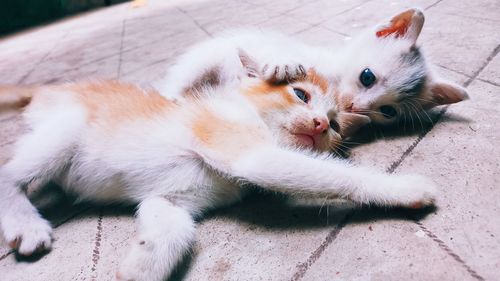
[15, 97]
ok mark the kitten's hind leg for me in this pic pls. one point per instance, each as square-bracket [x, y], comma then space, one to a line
[166, 233]
[38, 156]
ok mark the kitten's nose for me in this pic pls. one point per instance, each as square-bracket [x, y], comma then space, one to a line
[321, 125]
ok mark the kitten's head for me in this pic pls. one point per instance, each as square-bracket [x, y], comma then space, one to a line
[386, 75]
[301, 113]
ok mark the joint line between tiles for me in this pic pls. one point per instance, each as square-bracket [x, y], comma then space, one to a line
[194, 21]
[410, 149]
[492, 55]
[302, 268]
[119, 70]
[97, 246]
[28, 74]
[448, 250]
[433, 4]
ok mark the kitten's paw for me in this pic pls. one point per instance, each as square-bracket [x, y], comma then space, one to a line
[28, 236]
[141, 264]
[415, 191]
[283, 73]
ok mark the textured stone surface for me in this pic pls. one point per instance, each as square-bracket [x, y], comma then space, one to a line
[263, 238]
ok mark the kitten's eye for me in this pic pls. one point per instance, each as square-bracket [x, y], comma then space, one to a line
[301, 94]
[388, 111]
[367, 78]
[335, 126]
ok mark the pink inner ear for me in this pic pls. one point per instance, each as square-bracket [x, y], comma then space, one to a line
[399, 25]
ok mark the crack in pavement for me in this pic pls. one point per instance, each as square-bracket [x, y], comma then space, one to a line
[97, 246]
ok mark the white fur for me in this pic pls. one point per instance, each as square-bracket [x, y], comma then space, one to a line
[160, 164]
[269, 49]
[277, 52]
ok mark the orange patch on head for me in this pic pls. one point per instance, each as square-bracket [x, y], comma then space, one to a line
[267, 96]
[116, 101]
[399, 25]
[317, 79]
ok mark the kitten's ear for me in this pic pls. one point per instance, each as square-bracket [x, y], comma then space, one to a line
[444, 92]
[249, 64]
[350, 123]
[407, 24]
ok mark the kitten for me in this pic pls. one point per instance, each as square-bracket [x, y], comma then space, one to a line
[382, 73]
[113, 142]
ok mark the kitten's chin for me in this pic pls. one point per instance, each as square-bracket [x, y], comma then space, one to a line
[304, 140]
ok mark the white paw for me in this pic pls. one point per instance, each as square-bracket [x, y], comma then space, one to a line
[141, 265]
[28, 235]
[414, 191]
[283, 73]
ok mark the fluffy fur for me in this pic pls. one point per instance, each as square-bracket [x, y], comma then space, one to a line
[113, 142]
[404, 87]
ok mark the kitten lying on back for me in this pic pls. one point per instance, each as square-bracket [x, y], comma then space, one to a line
[112, 142]
[382, 73]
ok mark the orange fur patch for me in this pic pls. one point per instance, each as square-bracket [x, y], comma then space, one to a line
[318, 80]
[267, 96]
[399, 25]
[227, 137]
[118, 101]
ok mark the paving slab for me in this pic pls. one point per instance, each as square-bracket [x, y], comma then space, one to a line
[285, 24]
[370, 248]
[369, 14]
[453, 41]
[317, 12]
[482, 9]
[70, 258]
[320, 36]
[260, 239]
[491, 72]
[263, 238]
[215, 16]
[461, 154]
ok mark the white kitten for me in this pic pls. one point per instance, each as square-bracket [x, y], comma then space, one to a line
[113, 142]
[381, 73]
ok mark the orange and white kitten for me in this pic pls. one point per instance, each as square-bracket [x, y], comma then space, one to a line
[114, 142]
[382, 73]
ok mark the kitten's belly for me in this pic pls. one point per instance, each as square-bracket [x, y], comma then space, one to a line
[186, 183]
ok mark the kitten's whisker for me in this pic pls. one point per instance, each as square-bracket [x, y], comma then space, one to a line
[426, 114]
[322, 204]
[415, 109]
[426, 100]
[404, 116]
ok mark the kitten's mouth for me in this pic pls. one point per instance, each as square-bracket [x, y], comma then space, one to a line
[304, 140]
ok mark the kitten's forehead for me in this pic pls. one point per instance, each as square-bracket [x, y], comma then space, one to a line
[318, 80]
[398, 65]
[409, 78]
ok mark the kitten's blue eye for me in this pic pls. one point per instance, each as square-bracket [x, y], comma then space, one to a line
[388, 111]
[301, 94]
[367, 78]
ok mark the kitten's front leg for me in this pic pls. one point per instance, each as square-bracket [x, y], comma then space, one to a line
[165, 234]
[294, 173]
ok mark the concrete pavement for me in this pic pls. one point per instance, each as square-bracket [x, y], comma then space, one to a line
[262, 238]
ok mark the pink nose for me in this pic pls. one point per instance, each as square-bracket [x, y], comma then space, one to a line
[320, 125]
